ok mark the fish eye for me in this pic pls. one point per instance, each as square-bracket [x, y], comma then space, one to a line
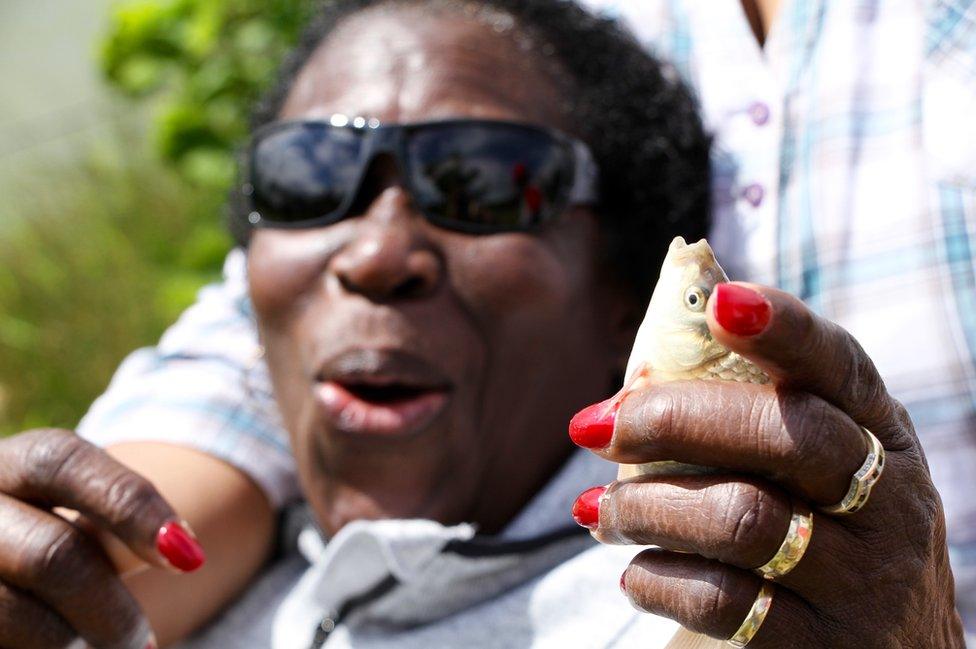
[695, 298]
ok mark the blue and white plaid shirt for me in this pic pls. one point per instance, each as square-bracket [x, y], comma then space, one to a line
[844, 172]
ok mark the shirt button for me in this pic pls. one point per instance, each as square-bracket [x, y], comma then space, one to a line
[754, 194]
[759, 113]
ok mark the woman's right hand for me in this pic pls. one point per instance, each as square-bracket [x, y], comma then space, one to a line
[57, 583]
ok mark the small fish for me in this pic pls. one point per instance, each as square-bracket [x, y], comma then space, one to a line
[674, 343]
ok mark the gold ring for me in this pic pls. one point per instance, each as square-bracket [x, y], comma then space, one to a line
[793, 546]
[757, 614]
[863, 479]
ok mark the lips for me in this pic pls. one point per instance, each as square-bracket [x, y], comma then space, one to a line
[380, 393]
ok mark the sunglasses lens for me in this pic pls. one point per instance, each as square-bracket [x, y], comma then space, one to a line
[485, 177]
[303, 171]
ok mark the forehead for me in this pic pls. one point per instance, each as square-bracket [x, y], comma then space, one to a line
[415, 64]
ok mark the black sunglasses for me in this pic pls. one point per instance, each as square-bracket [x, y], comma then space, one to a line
[475, 176]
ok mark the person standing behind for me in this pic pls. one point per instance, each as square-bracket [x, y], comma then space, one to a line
[844, 172]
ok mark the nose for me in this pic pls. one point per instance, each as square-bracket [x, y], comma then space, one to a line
[390, 257]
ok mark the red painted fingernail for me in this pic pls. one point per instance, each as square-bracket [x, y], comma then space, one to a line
[741, 310]
[623, 582]
[179, 547]
[586, 509]
[592, 427]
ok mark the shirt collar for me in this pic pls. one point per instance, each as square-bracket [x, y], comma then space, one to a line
[420, 570]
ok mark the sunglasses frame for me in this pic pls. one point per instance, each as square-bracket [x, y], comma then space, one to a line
[392, 139]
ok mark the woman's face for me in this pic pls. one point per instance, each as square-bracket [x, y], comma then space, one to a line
[424, 372]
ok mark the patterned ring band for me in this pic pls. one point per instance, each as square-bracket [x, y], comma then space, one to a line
[757, 614]
[794, 545]
[863, 479]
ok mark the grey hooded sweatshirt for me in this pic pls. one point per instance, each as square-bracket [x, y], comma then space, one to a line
[416, 584]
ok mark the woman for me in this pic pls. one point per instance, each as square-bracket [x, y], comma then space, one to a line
[425, 364]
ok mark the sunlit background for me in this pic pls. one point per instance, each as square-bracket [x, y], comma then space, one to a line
[118, 122]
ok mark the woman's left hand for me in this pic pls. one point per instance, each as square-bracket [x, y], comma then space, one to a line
[878, 577]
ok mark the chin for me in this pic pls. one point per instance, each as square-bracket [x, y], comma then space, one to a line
[346, 478]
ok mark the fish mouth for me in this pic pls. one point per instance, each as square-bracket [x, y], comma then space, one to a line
[385, 393]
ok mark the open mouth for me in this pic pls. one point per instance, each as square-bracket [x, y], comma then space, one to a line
[380, 393]
[385, 394]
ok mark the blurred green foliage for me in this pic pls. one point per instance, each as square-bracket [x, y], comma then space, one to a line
[99, 255]
[208, 61]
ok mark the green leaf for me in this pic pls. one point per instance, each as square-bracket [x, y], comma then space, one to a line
[209, 167]
[207, 61]
[17, 333]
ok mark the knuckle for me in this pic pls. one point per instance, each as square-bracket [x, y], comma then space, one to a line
[925, 517]
[828, 345]
[751, 514]
[859, 380]
[806, 330]
[49, 452]
[811, 427]
[61, 551]
[661, 411]
[36, 434]
[652, 421]
[813, 343]
[899, 413]
[900, 434]
[622, 518]
[716, 603]
[69, 572]
[764, 416]
[36, 440]
[129, 495]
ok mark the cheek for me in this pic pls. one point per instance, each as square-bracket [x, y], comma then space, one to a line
[504, 275]
[284, 267]
[284, 271]
[273, 276]
[537, 303]
[510, 277]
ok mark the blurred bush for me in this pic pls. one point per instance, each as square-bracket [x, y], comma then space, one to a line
[208, 61]
[97, 257]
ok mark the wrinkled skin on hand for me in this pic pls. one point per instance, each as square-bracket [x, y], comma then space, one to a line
[879, 577]
[56, 583]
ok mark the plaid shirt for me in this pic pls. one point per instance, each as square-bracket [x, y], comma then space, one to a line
[844, 172]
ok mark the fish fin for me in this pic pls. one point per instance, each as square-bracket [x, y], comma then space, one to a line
[642, 376]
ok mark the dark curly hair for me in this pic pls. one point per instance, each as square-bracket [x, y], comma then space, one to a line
[641, 123]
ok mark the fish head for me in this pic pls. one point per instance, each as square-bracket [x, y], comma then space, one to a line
[674, 336]
[688, 277]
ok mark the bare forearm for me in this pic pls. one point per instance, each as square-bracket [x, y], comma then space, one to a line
[232, 519]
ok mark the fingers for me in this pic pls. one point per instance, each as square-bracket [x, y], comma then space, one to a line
[793, 438]
[56, 563]
[25, 623]
[714, 599]
[805, 352]
[735, 520]
[56, 468]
